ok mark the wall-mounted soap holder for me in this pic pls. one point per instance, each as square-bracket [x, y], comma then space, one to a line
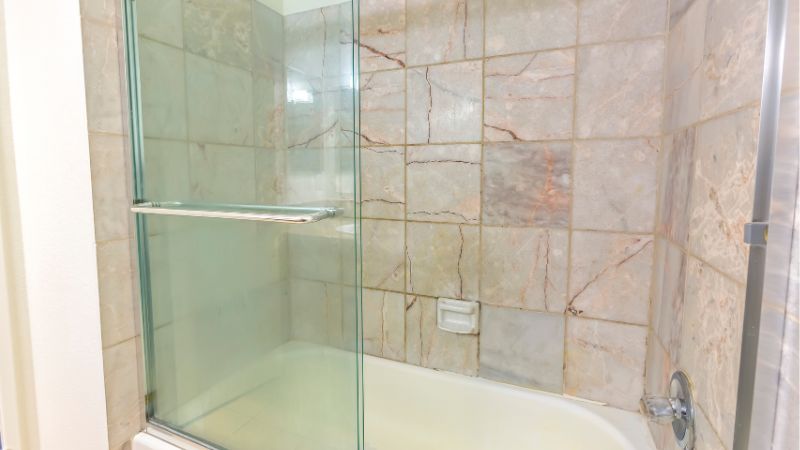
[458, 316]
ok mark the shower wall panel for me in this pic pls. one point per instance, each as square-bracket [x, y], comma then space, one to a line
[509, 156]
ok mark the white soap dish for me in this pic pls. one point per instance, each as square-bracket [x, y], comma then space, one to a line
[458, 316]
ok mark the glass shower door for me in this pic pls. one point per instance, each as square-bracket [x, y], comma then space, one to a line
[243, 122]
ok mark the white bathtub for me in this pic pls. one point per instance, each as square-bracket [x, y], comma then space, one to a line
[412, 408]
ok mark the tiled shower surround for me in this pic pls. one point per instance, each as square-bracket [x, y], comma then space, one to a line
[509, 156]
[582, 168]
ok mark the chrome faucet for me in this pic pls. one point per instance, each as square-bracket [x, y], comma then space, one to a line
[677, 409]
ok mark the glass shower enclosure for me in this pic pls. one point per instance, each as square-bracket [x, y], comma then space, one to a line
[243, 123]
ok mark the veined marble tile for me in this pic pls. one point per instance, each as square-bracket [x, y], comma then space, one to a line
[615, 185]
[268, 38]
[270, 176]
[676, 185]
[103, 10]
[161, 20]
[619, 89]
[611, 276]
[414, 330]
[442, 260]
[611, 20]
[219, 29]
[383, 34]
[605, 362]
[443, 30]
[383, 107]
[524, 268]
[123, 392]
[677, 8]
[710, 344]
[734, 54]
[527, 184]
[438, 349]
[383, 182]
[166, 170]
[515, 26]
[444, 183]
[668, 295]
[118, 306]
[684, 72]
[163, 90]
[268, 109]
[222, 173]
[444, 103]
[220, 102]
[111, 193]
[315, 312]
[384, 324]
[384, 260]
[722, 190]
[101, 54]
[529, 97]
[522, 348]
[707, 438]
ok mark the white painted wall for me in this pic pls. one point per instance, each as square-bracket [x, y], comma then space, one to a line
[50, 294]
[287, 7]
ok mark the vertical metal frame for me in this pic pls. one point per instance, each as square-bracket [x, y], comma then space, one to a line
[746, 435]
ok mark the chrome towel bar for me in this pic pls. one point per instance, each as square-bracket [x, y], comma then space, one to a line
[255, 213]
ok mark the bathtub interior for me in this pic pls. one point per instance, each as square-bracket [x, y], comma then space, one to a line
[408, 407]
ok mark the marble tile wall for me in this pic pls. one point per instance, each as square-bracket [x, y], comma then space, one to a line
[509, 156]
[111, 167]
[710, 131]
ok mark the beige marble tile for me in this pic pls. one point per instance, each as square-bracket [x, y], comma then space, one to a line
[619, 89]
[111, 192]
[104, 104]
[677, 8]
[160, 20]
[515, 26]
[163, 90]
[669, 281]
[118, 304]
[413, 330]
[605, 362]
[382, 34]
[103, 10]
[721, 198]
[219, 29]
[268, 110]
[444, 103]
[710, 344]
[529, 97]
[438, 349]
[522, 348]
[707, 438]
[384, 260]
[524, 268]
[383, 107]
[222, 173]
[612, 20]
[383, 182]
[615, 185]
[384, 324]
[315, 313]
[733, 60]
[443, 260]
[220, 102]
[676, 181]
[684, 72]
[527, 184]
[268, 38]
[443, 30]
[444, 183]
[123, 392]
[610, 276]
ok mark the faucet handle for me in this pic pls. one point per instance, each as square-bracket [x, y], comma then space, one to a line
[677, 409]
[662, 409]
